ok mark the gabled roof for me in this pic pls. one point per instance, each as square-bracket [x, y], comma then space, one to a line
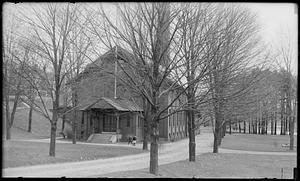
[96, 65]
[111, 103]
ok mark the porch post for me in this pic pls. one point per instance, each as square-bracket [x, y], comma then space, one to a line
[118, 126]
[136, 124]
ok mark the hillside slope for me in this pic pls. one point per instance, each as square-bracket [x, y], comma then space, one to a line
[40, 127]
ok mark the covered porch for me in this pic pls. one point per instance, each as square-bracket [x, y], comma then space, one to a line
[118, 117]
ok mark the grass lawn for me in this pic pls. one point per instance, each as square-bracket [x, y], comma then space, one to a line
[253, 142]
[21, 153]
[222, 165]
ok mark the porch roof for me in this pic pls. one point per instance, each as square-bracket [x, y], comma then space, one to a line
[111, 103]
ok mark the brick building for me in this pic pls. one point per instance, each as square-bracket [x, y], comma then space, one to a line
[118, 114]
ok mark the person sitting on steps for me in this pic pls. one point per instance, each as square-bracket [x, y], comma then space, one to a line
[134, 140]
[129, 140]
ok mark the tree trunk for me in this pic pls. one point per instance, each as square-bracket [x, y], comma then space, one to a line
[275, 124]
[249, 126]
[244, 126]
[7, 114]
[292, 119]
[191, 126]
[266, 125]
[229, 126]
[286, 124]
[53, 126]
[8, 135]
[263, 125]
[236, 124]
[52, 139]
[217, 132]
[220, 137]
[224, 130]
[74, 128]
[154, 145]
[272, 124]
[253, 130]
[192, 144]
[281, 114]
[8, 126]
[289, 124]
[216, 137]
[12, 115]
[240, 129]
[255, 126]
[30, 117]
[259, 125]
[281, 124]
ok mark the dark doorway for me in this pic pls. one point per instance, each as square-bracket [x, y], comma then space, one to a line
[109, 123]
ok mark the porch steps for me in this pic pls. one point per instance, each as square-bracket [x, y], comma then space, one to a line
[102, 138]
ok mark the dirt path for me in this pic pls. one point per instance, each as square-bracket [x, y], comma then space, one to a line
[168, 153]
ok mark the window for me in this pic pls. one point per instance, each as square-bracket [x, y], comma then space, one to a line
[82, 118]
[180, 118]
[139, 121]
[128, 121]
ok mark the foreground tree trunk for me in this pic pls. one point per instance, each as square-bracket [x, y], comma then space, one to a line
[53, 133]
[216, 138]
[217, 131]
[74, 128]
[54, 124]
[52, 140]
[192, 144]
[30, 117]
[292, 119]
[154, 145]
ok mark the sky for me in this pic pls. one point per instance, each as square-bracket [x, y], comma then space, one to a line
[275, 19]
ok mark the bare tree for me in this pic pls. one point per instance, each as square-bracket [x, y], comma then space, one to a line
[23, 58]
[77, 56]
[147, 31]
[234, 47]
[50, 27]
[190, 44]
[284, 59]
[11, 69]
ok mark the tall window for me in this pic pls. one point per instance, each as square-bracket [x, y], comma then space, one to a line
[128, 121]
[139, 121]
